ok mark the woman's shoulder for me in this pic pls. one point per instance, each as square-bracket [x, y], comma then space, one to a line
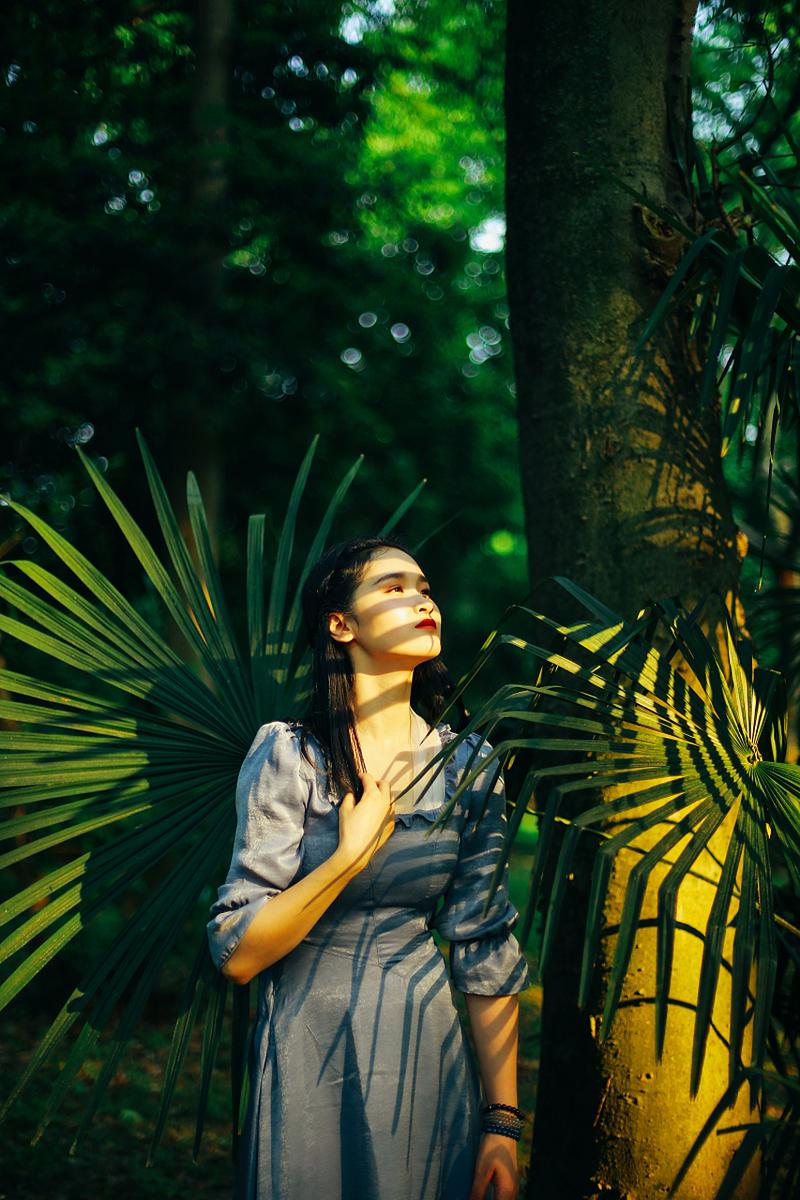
[277, 741]
[295, 741]
[272, 732]
[285, 728]
[276, 753]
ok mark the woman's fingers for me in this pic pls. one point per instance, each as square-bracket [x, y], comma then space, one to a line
[384, 787]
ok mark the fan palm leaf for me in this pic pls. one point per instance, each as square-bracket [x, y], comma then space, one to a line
[140, 770]
[691, 750]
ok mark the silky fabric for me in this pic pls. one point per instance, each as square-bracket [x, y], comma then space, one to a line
[363, 1085]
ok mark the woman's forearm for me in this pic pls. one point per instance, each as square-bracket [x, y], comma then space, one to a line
[494, 1021]
[286, 918]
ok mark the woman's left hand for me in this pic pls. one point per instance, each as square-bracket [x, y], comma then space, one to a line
[496, 1163]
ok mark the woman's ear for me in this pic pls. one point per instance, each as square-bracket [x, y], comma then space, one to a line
[338, 628]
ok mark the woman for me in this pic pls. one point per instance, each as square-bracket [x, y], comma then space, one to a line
[363, 1085]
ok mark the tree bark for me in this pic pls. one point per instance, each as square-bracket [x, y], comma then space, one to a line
[624, 493]
[199, 419]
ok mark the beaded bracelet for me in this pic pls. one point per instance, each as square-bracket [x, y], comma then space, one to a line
[495, 1120]
[518, 1113]
[505, 1129]
[491, 1127]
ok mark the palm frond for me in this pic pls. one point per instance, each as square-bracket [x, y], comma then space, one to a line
[774, 611]
[746, 292]
[139, 772]
[776, 1138]
[694, 746]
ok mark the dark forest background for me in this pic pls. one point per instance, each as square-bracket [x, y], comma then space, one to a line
[235, 226]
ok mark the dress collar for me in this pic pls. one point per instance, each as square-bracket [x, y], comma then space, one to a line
[434, 800]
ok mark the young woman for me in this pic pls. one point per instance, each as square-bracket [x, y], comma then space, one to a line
[362, 1083]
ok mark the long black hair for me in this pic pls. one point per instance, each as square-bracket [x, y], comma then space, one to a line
[330, 717]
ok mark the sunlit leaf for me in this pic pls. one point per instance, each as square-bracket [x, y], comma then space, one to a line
[691, 748]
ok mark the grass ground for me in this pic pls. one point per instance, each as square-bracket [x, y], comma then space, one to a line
[110, 1161]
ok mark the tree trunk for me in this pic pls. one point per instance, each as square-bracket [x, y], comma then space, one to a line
[624, 493]
[199, 416]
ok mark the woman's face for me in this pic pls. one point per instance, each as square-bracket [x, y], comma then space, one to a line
[388, 605]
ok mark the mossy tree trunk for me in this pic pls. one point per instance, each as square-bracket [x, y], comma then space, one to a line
[624, 493]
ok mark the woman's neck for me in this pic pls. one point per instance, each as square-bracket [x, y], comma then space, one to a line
[383, 709]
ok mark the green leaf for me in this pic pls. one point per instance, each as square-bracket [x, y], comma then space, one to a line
[139, 771]
[614, 712]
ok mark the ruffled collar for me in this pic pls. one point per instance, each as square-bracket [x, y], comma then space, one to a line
[435, 798]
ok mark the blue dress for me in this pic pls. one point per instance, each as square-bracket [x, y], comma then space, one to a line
[363, 1085]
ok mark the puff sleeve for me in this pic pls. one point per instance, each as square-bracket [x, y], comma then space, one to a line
[485, 958]
[271, 797]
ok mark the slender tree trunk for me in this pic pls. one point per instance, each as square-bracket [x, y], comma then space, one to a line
[199, 412]
[624, 493]
[209, 188]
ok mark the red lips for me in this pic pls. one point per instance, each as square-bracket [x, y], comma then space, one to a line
[425, 623]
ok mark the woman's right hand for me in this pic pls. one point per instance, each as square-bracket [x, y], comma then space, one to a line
[368, 825]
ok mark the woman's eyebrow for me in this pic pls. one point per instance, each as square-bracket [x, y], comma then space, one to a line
[399, 575]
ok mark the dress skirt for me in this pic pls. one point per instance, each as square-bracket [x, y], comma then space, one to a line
[365, 1085]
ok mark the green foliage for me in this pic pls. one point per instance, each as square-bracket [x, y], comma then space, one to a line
[700, 751]
[151, 752]
[776, 1138]
[775, 610]
[112, 1158]
[347, 280]
[740, 272]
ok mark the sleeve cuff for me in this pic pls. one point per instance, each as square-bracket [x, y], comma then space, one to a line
[494, 965]
[226, 929]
